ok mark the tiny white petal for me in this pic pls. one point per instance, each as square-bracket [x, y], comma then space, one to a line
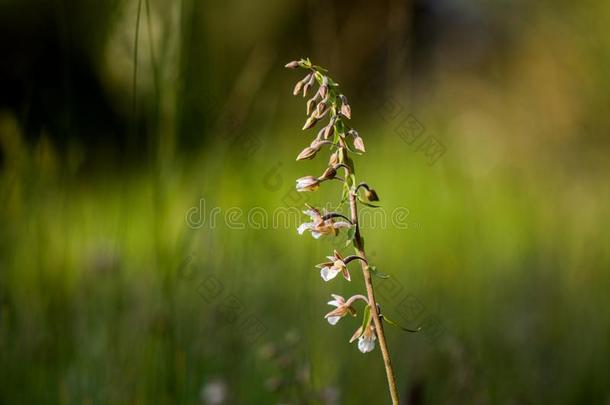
[334, 303]
[331, 258]
[333, 319]
[328, 273]
[316, 234]
[366, 344]
[303, 227]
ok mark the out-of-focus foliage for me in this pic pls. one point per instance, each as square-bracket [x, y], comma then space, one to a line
[108, 295]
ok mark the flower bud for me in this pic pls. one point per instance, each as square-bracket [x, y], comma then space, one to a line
[297, 88]
[359, 144]
[371, 195]
[328, 130]
[345, 108]
[311, 80]
[334, 159]
[310, 104]
[329, 173]
[307, 153]
[292, 65]
[311, 121]
[320, 108]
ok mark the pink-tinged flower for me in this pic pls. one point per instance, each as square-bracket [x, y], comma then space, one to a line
[336, 265]
[366, 339]
[308, 183]
[342, 308]
[319, 226]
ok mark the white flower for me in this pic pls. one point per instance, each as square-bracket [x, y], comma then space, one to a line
[366, 339]
[320, 227]
[366, 342]
[336, 265]
[342, 308]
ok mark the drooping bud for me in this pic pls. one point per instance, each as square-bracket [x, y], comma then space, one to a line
[328, 130]
[345, 108]
[311, 121]
[359, 144]
[297, 88]
[329, 173]
[307, 153]
[321, 108]
[334, 159]
[309, 83]
[321, 115]
[292, 65]
[371, 195]
[324, 87]
[310, 104]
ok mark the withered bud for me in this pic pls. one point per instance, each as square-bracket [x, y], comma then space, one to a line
[345, 108]
[329, 173]
[307, 153]
[311, 121]
[292, 65]
[359, 144]
[334, 159]
[371, 195]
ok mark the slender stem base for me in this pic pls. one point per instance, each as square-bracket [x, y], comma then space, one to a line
[359, 245]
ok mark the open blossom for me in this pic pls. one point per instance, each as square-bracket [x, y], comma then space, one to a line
[308, 183]
[336, 265]
[366, 338]
[342, 308]
[319, 226]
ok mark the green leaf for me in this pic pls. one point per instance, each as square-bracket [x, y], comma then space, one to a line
[377, 273]
[350, 163]
[345, 192]
[391, 322]
[366, 318]
[351, 233]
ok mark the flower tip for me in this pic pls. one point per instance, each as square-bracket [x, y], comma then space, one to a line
[292, 65]
[359, 144]
[371, 195]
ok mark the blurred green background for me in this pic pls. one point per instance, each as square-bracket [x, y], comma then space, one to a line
[124, 123]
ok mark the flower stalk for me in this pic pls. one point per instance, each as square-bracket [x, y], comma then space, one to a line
[328, 103]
